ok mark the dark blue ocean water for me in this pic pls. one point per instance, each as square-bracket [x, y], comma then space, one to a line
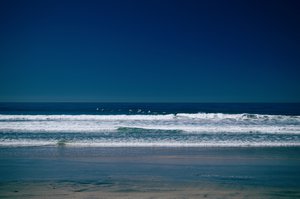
[154, 108]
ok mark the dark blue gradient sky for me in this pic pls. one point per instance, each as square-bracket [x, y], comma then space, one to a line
[150, 51]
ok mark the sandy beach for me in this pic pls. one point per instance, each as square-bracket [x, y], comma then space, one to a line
[98, 190]
[61, 172]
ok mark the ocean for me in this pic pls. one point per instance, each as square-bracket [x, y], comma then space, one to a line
[149, 124]
[156, 150]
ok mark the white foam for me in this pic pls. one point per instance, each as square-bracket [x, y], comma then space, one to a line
[26, 143]
[56, 126]
[77, 127]
[190, 123]
[225, 129]
[168, 144]
[22, 143]
[240, 117]
[180, 116]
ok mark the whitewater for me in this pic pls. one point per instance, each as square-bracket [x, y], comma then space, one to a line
[146, 130]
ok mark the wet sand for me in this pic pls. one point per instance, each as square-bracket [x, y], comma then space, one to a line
[59, 172]
[95, 190]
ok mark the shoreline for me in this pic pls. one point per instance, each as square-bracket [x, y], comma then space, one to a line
[55, 172]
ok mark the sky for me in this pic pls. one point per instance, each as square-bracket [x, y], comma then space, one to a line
[149, 51]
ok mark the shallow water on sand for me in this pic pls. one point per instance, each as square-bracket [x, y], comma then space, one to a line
[265, 171]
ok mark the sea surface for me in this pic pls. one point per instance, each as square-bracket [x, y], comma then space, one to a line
[141, 150]
[149, 124]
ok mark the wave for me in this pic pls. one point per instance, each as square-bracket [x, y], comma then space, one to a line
[184, 122]
[178, 116]
[30, 143]
[87, 128]
[170, 130]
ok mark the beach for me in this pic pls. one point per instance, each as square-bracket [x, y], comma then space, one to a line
[149, 150]
[234, 172]
[75, 190]
[149, 99]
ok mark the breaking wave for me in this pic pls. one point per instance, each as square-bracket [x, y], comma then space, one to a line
[182, 129]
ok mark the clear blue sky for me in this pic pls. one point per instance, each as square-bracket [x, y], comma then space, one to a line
[150, 51]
